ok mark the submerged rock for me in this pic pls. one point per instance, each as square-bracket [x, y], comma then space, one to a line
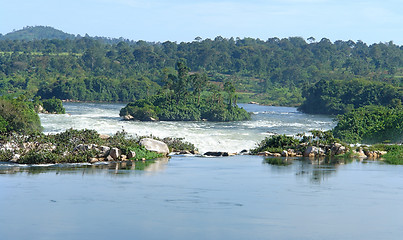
[219, 154]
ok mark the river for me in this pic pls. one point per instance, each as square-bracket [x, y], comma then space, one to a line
[187, 197]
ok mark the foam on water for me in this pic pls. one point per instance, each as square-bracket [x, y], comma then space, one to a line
[207, 136]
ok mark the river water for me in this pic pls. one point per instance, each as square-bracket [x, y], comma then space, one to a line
[240, 197]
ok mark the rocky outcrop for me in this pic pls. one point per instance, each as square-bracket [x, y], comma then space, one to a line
[313, 151]
[154, 145]
[218, 154]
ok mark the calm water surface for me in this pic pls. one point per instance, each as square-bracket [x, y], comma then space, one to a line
[239, 197]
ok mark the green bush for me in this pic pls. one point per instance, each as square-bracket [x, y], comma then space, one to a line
[275, 143]
[18, 115]
[53, 106]
[370, 124]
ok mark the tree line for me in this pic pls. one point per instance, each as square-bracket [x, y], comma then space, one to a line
[274, 71]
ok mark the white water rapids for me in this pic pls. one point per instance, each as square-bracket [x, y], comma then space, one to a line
[206, 136]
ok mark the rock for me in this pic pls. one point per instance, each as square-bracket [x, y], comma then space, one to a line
[341, 150]
[194, 152]
[312, 151]
[244, 151]
[361, 154]
[84, 147]
[264, 154]
[154, 145]
[104, 151]
[123, 157]
[291, 153]
[40, 109]
[15, 158]
[94, 160]
[115, 153]
[381, 153]
[153, 119]
[214, 154]
[128, 117]
[131, 154]
[109, 158]
[277, 155]
[184, 152]
[104, 136]
[219, 154]
[284, 153]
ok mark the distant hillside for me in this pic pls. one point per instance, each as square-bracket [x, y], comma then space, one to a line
[37, 33]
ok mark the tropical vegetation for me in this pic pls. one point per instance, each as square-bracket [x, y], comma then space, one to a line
[184, 98]
[273, 71]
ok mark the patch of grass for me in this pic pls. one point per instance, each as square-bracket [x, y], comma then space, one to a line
[141, 153]
[395, 155]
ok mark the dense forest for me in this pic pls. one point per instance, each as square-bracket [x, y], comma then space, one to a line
[273, 71]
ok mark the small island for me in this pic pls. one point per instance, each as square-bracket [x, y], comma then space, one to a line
[187, 97]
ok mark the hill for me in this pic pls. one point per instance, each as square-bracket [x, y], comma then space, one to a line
[37, 33]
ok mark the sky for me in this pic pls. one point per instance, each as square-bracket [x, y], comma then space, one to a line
[371, 21]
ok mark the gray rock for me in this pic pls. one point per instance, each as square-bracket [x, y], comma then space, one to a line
[115, 153]
[104, 151]
[154, 145]
[313, 151]
[15, 158]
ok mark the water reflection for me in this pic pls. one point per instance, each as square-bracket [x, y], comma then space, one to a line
[111, 168]
[317, 170]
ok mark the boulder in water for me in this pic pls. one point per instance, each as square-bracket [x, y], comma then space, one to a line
[154, 145]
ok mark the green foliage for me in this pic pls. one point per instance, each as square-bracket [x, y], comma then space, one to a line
[53, 106]
[394, 155]
[371, 124]
[64, 147]
[3, 125]
[338, 97]
[182, 101]
[275, 143]
[141, 153]
[18, 115]
[274, 71]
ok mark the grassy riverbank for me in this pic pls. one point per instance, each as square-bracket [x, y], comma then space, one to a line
[78, 146]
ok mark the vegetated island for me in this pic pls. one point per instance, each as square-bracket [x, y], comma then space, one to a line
[184, 98]
[21, 139]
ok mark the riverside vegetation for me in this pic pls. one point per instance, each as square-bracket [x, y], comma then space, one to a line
[82, 146]
[360, 83]
[184, 99]
[42, 61]
[21, 139]
[323, 145]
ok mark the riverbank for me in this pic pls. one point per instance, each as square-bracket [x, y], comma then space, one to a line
[85, 146]
[88, 146]
[324, 145]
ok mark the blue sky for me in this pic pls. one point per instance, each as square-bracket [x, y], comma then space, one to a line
[371, 21]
